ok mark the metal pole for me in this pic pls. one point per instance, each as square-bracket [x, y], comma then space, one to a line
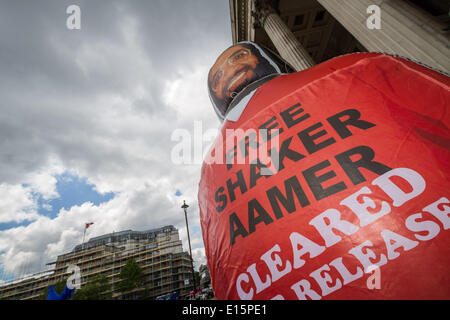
[84, 233]
[112, 278]
[185, 206]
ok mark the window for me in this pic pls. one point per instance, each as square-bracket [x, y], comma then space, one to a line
[320, 15]
[299, 20]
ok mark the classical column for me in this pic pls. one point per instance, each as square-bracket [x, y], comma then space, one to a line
[284, 40]
[405, 30]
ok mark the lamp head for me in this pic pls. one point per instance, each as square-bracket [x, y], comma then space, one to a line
[184, 206]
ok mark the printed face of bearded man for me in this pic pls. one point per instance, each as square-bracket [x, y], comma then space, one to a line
[233, 70]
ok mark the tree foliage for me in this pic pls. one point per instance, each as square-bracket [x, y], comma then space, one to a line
[98, 288]
[131, 276]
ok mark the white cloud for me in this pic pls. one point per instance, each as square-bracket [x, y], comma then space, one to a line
[16, 204]
[43, 181]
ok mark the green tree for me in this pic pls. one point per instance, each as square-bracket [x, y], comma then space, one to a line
[131, 276]
[98, 288]
[59, 288]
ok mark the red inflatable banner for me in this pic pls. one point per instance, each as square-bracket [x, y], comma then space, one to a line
[333, 184]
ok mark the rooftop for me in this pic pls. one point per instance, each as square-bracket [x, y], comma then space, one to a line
[121, 236]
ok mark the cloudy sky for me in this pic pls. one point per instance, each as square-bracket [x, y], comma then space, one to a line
[87, 118]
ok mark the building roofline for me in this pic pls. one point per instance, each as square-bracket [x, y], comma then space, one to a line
[91, 241]
[129, 231]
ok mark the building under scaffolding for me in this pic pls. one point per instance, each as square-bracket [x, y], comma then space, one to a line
[158, 252]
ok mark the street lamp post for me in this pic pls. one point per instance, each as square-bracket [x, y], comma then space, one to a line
[185, 206]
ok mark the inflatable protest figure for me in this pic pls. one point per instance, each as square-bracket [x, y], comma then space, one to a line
[65, 295]
[329, 183]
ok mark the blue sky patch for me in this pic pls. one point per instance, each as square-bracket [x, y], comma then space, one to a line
[13, 224]
[73, 191]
